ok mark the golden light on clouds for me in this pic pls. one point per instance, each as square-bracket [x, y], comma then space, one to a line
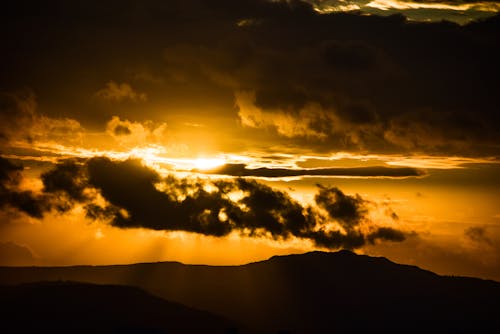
[415, 10]
[490, 6]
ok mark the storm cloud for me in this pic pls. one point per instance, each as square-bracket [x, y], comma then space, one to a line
[301, 78]
[136, 196]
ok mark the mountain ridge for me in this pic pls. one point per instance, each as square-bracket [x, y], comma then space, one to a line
[306, 293]
[343, 252]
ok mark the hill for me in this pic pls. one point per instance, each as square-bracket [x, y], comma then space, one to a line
[70, 307]
[315, 292]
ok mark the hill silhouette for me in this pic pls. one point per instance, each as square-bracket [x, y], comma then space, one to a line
[315, 292]
[70, 307]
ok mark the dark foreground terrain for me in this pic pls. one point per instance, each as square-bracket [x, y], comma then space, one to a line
[69, 307]
[310, 293]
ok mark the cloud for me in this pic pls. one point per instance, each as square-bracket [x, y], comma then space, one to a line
[375, 171]
[386, 233]
[128, 194]
[131, 134]
[356, 90]
[340, 93]
[478, 234]
[13, 197]
[461, 11]
[378, 84]
[452, 5]
[9, 173]
[67, 178]
[309, 122]
[20, 122]
[120, 92]
[16, 111]
[348, 210]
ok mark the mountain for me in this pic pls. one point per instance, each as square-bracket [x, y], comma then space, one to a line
[315, 292]
[70, 307]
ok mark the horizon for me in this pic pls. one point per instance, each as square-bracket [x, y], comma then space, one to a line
[202, 264]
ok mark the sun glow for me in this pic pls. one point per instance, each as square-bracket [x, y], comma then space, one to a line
[208, 163]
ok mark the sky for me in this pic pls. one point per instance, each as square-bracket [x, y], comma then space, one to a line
[224, 132]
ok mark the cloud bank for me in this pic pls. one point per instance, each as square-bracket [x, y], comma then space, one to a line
[129, 195]
[292, 76]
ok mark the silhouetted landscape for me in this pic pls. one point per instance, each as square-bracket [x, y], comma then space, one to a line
[217, 133]
[69, 307]
[315, 292]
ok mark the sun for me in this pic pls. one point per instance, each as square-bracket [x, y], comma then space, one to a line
[208, 163]
[154, 155]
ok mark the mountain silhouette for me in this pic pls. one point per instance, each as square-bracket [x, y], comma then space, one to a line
[71, 307]
[316, 292]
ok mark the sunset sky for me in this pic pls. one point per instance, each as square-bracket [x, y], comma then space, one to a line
[225, 132]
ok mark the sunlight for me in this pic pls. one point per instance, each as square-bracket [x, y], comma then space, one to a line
[208, 163]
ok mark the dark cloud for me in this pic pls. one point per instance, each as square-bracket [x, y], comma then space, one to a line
[394, 215]
[349, 56]
[337, 239]
[381, 93]
[21, 122]
[9, 173]
[27, 202]
[10, 194]
[187, 206]
[338, 81]
[131, 186]
[121, 130]
[386, 233]
[376, 171]
[15, 114]
[68, 178]
[137, 196]
[348, 210]
[478, 234]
